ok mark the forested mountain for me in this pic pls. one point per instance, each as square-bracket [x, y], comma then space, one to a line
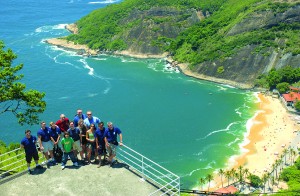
[235, 40]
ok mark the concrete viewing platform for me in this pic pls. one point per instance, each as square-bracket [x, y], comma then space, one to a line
[83, 180]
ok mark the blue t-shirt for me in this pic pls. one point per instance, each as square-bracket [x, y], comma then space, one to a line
[77, 118]
[55, 132]
[74, 133]
[111, 135]
[45, 134]
[29, 144]
[94, 120]
[100, 134]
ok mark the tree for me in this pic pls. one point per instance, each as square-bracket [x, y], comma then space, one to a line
[297, 105]
[273, 78]
[202, 182]
[283, 87]
[285, 152]
[228, 175]
[221, 173]
[24, 105]
[209, 178]
[255, 181]
[264, 180]
[240, 168]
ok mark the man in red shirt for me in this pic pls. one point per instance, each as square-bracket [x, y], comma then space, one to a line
[63, 123]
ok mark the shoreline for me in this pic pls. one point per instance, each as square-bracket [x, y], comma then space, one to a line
[60, 42]
[270, 131]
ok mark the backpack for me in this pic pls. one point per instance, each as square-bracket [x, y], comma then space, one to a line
[57, 153]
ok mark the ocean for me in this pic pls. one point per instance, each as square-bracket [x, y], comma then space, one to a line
[191, 127]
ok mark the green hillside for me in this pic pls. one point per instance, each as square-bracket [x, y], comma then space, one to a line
[235, 40]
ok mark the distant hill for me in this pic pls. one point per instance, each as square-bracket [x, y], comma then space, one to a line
[235, 40]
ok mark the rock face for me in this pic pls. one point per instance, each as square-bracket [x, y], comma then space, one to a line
[245, 67]
[246, 64]
[155, 23]
[266, 19]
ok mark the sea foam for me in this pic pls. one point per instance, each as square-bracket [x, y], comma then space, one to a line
[102, 2]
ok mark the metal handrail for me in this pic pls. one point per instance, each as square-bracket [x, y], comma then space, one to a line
[168, 183]
[18, 162]
[9, 152]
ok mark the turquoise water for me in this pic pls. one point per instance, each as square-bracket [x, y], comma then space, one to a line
[189, 126]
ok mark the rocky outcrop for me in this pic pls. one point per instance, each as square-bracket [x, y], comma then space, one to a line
[266, 19]
[63, 43]
[155, 23]
[245, 66]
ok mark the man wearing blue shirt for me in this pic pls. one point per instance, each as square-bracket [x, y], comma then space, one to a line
[91, 120]
[28, 143]
[110, 138]
[45, 143]
[79, 116]
[100, 143]
[55, 134]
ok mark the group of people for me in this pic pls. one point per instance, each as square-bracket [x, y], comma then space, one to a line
[86, 135]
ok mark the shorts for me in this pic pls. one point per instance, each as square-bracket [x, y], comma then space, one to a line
[91, 145]
[48, 146]
[112, 149]
[33, 155]
[77, 146]
[84, 141]
[101, 150]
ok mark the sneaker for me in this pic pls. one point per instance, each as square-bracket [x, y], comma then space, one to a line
[63, 167]
[39, 167]
[29, 172]
[75, 164]
[99, 165]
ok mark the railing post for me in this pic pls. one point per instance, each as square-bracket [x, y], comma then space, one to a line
[143, 176]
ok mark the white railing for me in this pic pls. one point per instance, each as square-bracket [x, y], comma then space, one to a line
[12, 166]
[168, 183]
[4, 166]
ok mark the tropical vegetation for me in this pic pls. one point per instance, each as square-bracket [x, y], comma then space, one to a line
[210, 39]
[25, 105]
[285, 169]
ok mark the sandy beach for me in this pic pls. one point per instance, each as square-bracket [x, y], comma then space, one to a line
[273, 129]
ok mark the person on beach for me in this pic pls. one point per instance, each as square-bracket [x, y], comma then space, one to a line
[83, 129]
[91, 120]
[63, 123]
[68, 145]
[45, 143]
[100, 143]
[74, 133]
[29, 144]
[91, 143]
[111, 142]
[79, 116]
